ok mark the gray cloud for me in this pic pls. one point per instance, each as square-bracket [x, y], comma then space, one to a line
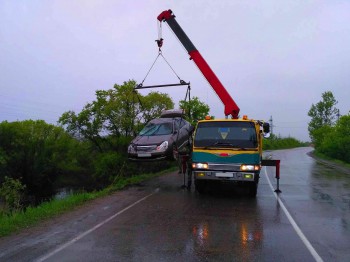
[274, 57]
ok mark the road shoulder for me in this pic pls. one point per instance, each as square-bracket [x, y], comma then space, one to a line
[330, 163]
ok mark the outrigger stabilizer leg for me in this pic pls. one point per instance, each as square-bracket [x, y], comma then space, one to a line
[276, 163]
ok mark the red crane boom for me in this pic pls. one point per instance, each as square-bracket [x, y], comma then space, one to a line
[231, 107]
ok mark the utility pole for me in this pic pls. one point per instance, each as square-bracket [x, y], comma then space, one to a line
[271, 124]
[338, 115]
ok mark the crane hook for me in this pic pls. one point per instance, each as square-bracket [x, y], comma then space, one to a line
[159, 43]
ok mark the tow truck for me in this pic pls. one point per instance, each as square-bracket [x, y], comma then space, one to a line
[225, 150]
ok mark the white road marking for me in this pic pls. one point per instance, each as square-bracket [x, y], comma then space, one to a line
[295, 225]
[77, 238]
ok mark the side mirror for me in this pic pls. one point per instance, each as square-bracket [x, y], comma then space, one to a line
[267, 135]
[266, 128]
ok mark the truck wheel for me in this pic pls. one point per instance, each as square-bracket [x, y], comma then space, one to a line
[253, 189]
[200, 187]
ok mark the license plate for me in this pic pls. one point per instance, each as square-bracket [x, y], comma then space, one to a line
[144, 155]
[224, 174]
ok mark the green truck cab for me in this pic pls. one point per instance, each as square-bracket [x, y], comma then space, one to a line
[228, 150]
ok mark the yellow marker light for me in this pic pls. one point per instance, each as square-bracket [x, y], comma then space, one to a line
[248, 176]
[200, 174]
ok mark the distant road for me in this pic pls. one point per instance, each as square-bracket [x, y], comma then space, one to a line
[159, 221]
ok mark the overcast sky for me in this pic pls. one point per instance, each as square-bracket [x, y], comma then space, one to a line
[275, 58]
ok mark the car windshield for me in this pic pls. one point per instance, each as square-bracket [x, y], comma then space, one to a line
[159, 129]
[226, 134]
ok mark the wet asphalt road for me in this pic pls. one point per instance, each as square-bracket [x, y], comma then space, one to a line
[159, 221]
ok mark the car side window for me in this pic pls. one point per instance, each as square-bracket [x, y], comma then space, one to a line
[176, 124]
[181, 122]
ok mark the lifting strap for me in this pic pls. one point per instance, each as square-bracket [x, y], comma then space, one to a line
[159, 42]
[182, 82]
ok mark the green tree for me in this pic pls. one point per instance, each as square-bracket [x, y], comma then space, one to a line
[119, 111]
[324, 113]
[125, 110]
[118, 107]
[35, 151]
[112, 113]
[85, 125]
[195, 109]
[336, 143]
[108, 124]
[153, 104]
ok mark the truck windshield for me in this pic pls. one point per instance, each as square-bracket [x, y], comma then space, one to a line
[234, 134]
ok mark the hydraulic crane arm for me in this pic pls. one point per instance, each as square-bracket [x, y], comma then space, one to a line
[231, 107]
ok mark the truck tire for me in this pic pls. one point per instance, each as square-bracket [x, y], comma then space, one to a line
[200, 187]
[253, 189]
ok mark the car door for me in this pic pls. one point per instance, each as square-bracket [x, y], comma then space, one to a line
[183, 131]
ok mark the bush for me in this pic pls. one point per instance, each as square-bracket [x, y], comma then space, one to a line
[37, 152]
[108, 166]
[46, 157]
[11, 192]
[275, 142]
[336, 141]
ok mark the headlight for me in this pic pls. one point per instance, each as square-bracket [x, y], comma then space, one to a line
[163, 146]
[250, 167]
[200, 165]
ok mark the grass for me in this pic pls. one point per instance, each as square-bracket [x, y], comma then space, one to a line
[33, 215]
[337, 161]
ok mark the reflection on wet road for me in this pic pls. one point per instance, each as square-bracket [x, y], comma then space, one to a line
[319, 197]
[226, 225]
[227, 232]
